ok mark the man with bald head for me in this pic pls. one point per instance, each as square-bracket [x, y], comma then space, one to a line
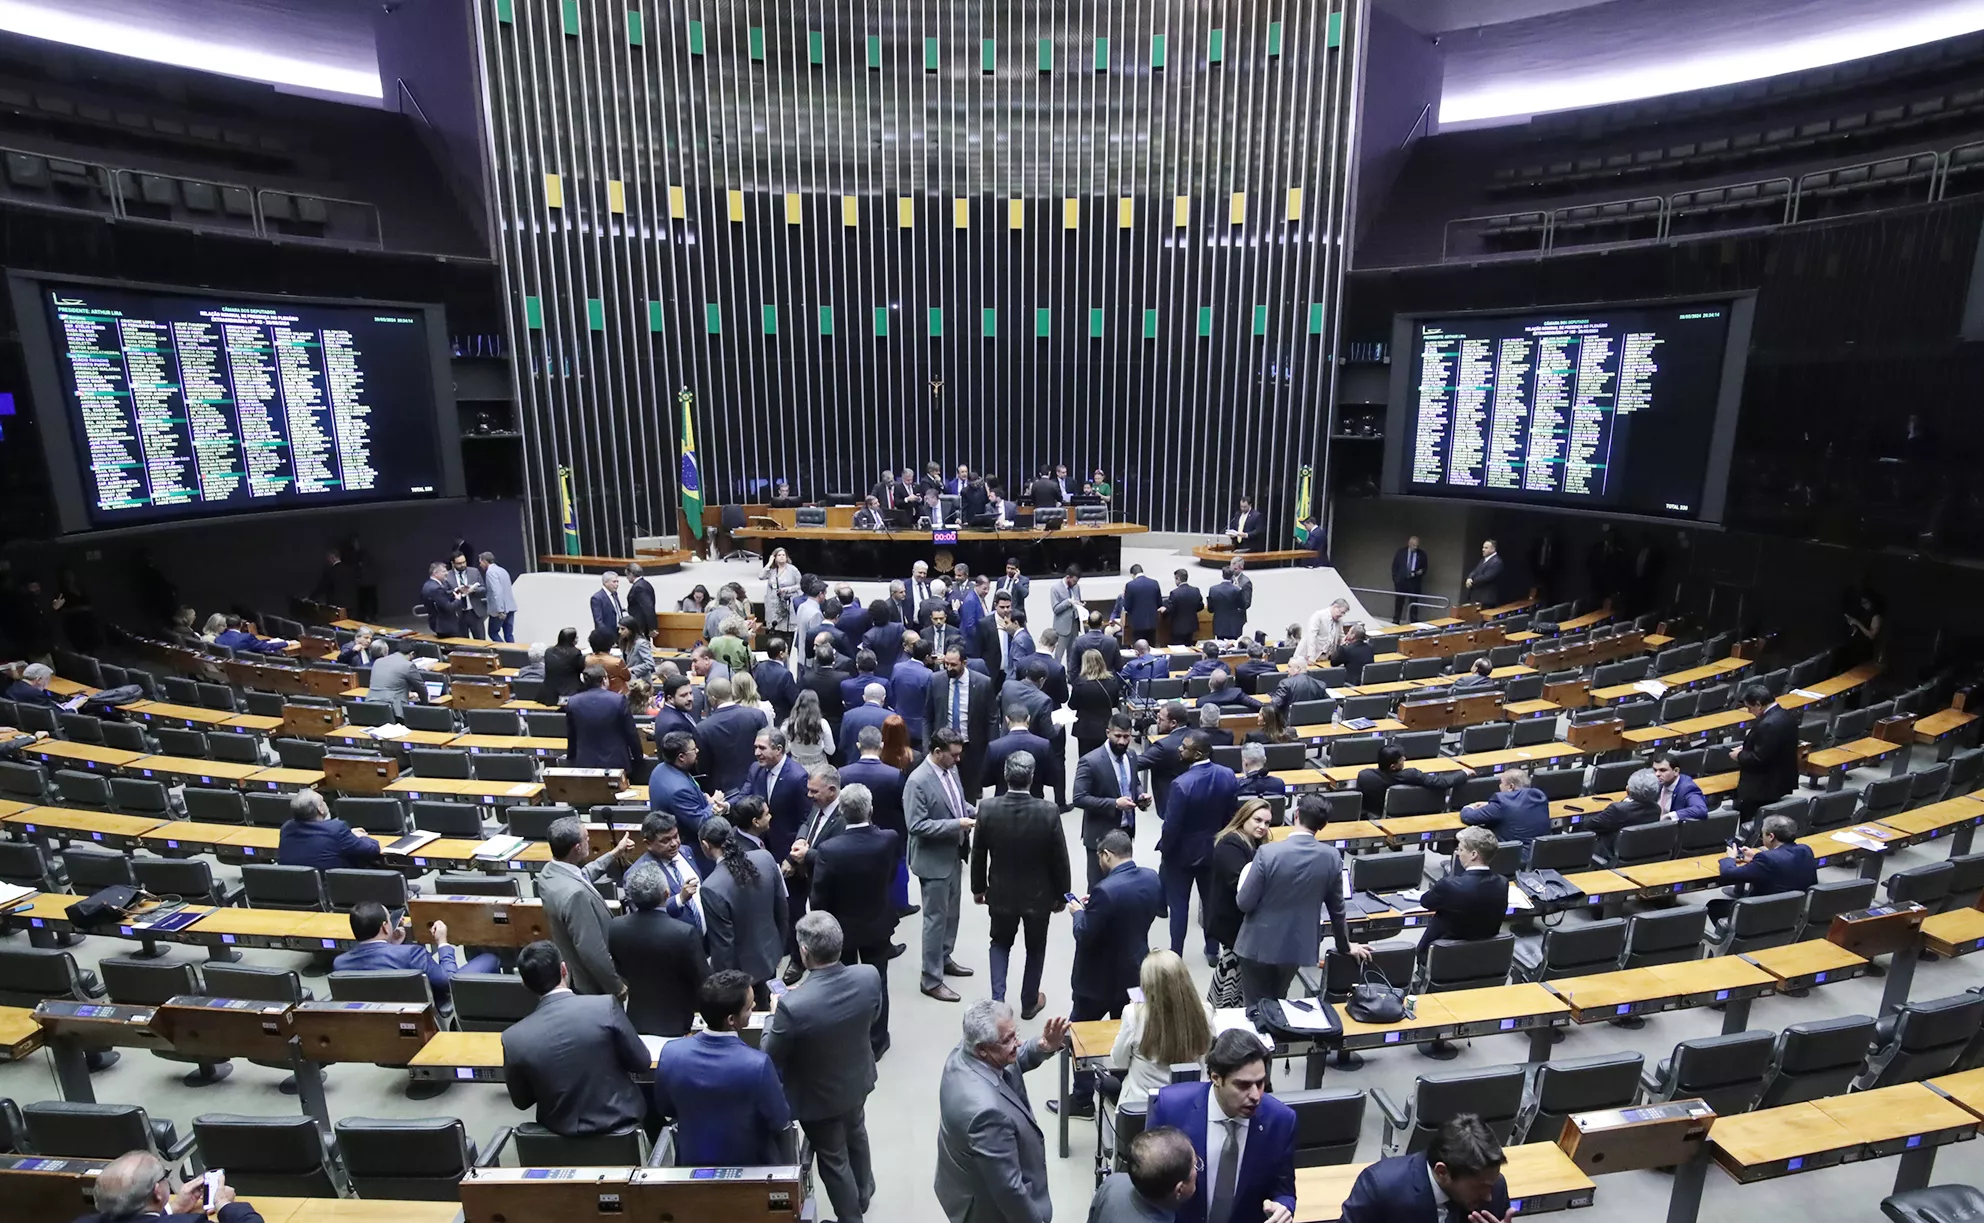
[136, 1188]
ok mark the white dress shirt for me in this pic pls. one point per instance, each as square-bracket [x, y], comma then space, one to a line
[1216, 1141]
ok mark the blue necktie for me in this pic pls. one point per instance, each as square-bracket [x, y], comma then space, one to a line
[957, 702]
[687, 908]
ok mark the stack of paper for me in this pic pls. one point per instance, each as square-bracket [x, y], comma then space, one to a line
[500, 848]
[1808, 694]
[11, 893]
[1652, 687]
[391, 730]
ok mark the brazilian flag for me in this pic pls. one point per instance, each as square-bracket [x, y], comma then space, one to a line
[566, 511]
[692, 479]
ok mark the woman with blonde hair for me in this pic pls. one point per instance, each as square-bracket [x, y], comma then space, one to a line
[745, 689]
[1232, 850]
[782, 579]
[1172, 1024]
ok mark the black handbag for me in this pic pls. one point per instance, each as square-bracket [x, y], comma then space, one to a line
[1549, 889]
[1376, 1003]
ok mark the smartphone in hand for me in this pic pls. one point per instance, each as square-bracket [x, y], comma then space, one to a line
[211, 1180]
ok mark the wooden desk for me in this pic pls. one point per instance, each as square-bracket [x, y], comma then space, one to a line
[162, 713]
[471, 1057]
[185, 770]
[67, 687]
[1346, 775]
[1941, 724]
[1429, 1019]
[350, 736]
[98, 827]
[532, 745]
[61, 754]
[482, 921]
[1827, 689]
[1094, 1038]
[1830, 764]
[1831, 846]
[353, 1210]
[1910, 1120]
[1344, 834]
[272, 928]
[252, 724]
[1678, 875]
[1540, 1176]
[195, 835]
[1330, 730]
[459, 852]
[1541, 753]
[1958, 932]
[284, 780]
[1710, 723]
[1966, 1087]
[9, 807]
[1300, 780]
[1410, 829]
[20, 1035]
[1599, 887]
[1611, 995]
[1953, 815]
[1707, 673]
[457, 788]
[1803, 965]
[1516, 711]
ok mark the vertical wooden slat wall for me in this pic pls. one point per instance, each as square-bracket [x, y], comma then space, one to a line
[864, 235]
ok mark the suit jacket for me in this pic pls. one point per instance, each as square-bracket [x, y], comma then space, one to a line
[1250, 525]
[1372, 783]
[991, 1153]
[884, 782]
[745, 922]
[577, 919]
[1019, 857]
[1066, 601]
[1203, 799]
[936, 839]
[1467, 905]
[789, 804]
[823, 682]
[1487, 579]
[1038, 705]
[599, 731]
[1102, 643]
[1300, 686]
[325, 844]
[978, 708]
[1137, 606]
[886, 642]
[852, 874]
[726, 736]
[983, 642]
[1267, 1168]
[911, 682]
[661, 959]
[1045, 492]
[574, 1059]
[1097, 787]
[776, 685]
[1112, 932]
[853, 722]
[1161, 758]
[1518, 815]
[1687, 801]
[725, 1098]
[1262, 785]
[1231, 697]
[1353, 657]
[374, 955]
[640, 604]
[1626, 813]
[905, 608]
[1229, 611]
[1788, 868]
[233, 1212]
[1093, 701]
[1408, 568]
[1116, 1200]
[1400, 1190]
[853, 622]
[395, 681]
[444, 610]
[605, 614]
[853, 688]
[993, 775]
[817, 1037]
[673, 791]
[1018, 587]
[1768, 767]
[866, 519]
[1294, 881]
[562, 666]
[1181, 611]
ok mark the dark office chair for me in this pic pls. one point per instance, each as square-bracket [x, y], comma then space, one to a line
[211, 806]
[1579, 1085]
[267, 810]
[99, 1131]
[1558, 783]
[1817, 1059]
[494, 722]
[1327, 1124]
[283, 887]
[378, 817]
[538, 1147]
[1704, 836]
[345, 888]
[269, 1156]
[1354, 749]
[141, 982]
[1563, 851]
[491, 1001]
[1387, 872]
[448, 819]
[1667, 937]
[1488, 737]
[1414, 800]
[140, 796]
[1467, 964]
[1825, 901]
[1492, 1093]
[430, 717]
[421, 1159]
[1641, 844]
[27, 865]
[1727, 1072]
[1921, 1040]
[1928, 885]
[1611, 778]
[191, 879]
[508, 766]
[534, 823]
[1966, 882]
[1572, 951]
[30, 974]
[1757, 922]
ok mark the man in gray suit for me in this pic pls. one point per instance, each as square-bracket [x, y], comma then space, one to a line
[1283, 893]
[395, 680]
[1162, 1176]
[940, 823]
[573, 911]
[817, 1036]
[1065, 596]
[991, 1153]
[573, 1058]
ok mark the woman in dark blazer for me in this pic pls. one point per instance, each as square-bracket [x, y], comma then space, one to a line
[1093, 697]
[562, 664]
[1231, 853]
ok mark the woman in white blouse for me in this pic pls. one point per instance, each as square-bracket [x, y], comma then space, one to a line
[1172, 1024]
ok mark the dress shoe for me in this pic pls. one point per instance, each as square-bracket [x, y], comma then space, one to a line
[1033, 1008]
[954, 969]
[942, 993]
[1085, 1108]
[909, 910]
[896, 949]
[793, 973]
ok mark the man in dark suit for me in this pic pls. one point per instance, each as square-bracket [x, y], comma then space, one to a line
[1015, 583]
[870, 516]
[726, 734]
[1031, 695]
[1781, 865]
[1161, 758]
[781, 781]
[822, 677]
[1408, 576]
[1456, 1179]
[1255, 780]
[640, 599]
[1138, 606]
[1202, 800]
[444, 608]
[872, 711]
[884, 636]
[1245, 1138]
[659, 957]
[1469, 903]
[823, 824]
[1372, 783]
[1053, 676]
[1299, 686]
[891, 497]
[384, 946]
[961, 700]
[1228, 605]
[1355, 653]
[1640, 806]
[867, 670]
[1019, 737]
[1096, 637]
[1767, 763]
[853, 620]
[773, 676]
[1019, 871]
[1226, 694]
[1245, 529]
[853, 876]
[574, 1058]
[1680, 797]
[1046, 490]
[672, 790]
[678, 709]
[1108, 792]
[1517, 811]
[993, 637]
[1112, 936]
[910, 680]
[902, 605]
[599, 728]
[1249, 673]
[817, 1037]
[606, 605]
[729, 1107]
[979, 506]
[1181, 610]
[1484, 581]
[310, 837]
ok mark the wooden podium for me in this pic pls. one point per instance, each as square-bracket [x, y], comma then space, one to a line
[1603, 735]
[482, 921]
[471, 662]
[311, 721]
[223, 1028]
[479, 693]
[583, 788]
[383, 1033]
[48, 1187]
[1634, 1139]
[356, 773]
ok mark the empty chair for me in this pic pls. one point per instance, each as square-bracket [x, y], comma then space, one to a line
[124, 736]
[30, 974]
[80, 789]
[1928, 785]
[508, 766]
[1387, 872]
[1474, 790]
[538, 1147]
[140, 796]
[1558, 783]
[1965, 769]
[1415, 668]
[1928, 886]
[1888, 796]
[346, 888]
[1392, 961]
[494, 722]
[441, 762]
[435, 718]
[366, 713]
[534, 823]
[476, 884]
[215, 806]
[1327, 1124]
[1563, 851]
[1377, 705]
[1467, 964]
[448, 819]
[180, 741]
[1414, 800]
[1524, 688]
[1825, 900]
[99, 1131]
[263, 704]
[1727, 1072]
[1704, 835]
[1354, 749]
[543, 725]
[80, 728]
[26, 864]
[1966, 882]
[419, 1159]
[283, 887]
[1667, 937]
[382, 985]
[1382, 673]
[1340, 806]
[1936, 1203]
[268, 1156]
[300, 754]
[28, 783]
[1757, 922]
[1578, 1085]
[490, 1001]
[1611, 777]
[1691, 762]
[144, 982]
[1641, 844]
[1849, 726]
[1419, 744]
[1822, 812]
[378, 816]
[1310, 713]
[1488, 737]
[91, 869]
[267, 810]
[1817, 1059]
[1679, 707]
[1921, 1040]
[1283, 756]
[1493, 1093]
[191, 879]
[181, 691]
[1572, 951]
[217, 696]
[235, 749]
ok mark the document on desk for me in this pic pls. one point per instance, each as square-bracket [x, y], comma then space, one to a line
[1302, 1014]
[411, 841]
[391, 730]
[1808, 694]
[1861, 841]
[500, 848]
[13, 893]
[1652, 687]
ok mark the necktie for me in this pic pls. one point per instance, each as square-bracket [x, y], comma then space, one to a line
[1123, 781]
[687, 907]
[892, 496]
[1220, 1208]
[957, 705]
[952, 794]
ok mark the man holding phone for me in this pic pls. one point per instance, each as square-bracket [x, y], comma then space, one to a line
[385, 947]
[136, 1188]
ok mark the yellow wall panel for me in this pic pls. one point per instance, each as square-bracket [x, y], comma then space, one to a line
[735, 201]
[1181, 212]
[1237, 211]
[850, 210]
[1295, 203]
[961, 213]
[616, 195]
[1126, 213]
[1015, 214]
[1071, 214]
[905, 213]
[793, 212]
[554, 191]
[678, 203]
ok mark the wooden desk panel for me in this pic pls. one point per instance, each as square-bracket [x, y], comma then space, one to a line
[1678, 875]
[195, 835]
[1812, 962]
[252, 724]
[1928, 823]
[1495, 762]
[1346, 775]
[1826, 689]
[1715, 978]
[61, 754]
[174, 769]
[1958, 932]
[353, 1210]
[415, 788]
[1888, 1113]
[1965, 1087]
[1941, 724]
[351, 736]
[1431, 1017]
[1828, 847]
[100, 827]
[1498, 1003]
[9, 807]
[179, 715]
[1540, 1176]
[475, 1057]
[1345, 834]
[1330, 730]
[1767, 1137]
[1709, 723]
[1094, 1037]
[20, 1035]
[1599, 885]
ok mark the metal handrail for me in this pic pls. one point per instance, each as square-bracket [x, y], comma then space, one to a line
[1414, 599]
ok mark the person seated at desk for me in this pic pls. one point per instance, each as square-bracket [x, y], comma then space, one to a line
[729, 1107]
[1162, 1176]
[136, 1187]
[783, 498]
[935, 513]
[1469, 902]
[1781, 865]
[1144, 666]
[1355, 653]
[575, 1058]
[1456, 1179]
[310, 837]
[1517, 812]
[355, 652]
[395, 679]
[869, 516]
[1207, 662]
[1391, 771]
[32, 688]
[1680, 797]
[239, 639]
[1640, 806]
[385, 947]
[1480, 675]
[1224, 692]
[1257, 665]
[602, 641]
[1255, 780]
[1208, 717]
[1170, 1024]
[562, 664]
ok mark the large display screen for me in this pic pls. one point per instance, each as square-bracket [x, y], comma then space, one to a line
[1625, 410]
[178, 404]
